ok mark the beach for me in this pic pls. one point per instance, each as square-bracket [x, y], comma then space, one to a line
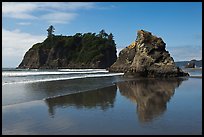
[96, 102]
[101, 68]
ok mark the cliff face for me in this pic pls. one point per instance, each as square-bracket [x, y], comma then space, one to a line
[146, 57]
[78, 51]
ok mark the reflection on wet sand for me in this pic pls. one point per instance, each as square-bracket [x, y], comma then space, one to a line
[150, 95]
[103, 98]
[54, 88]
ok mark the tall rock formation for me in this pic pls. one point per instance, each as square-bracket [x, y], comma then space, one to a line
[146, 57]
[86, 50]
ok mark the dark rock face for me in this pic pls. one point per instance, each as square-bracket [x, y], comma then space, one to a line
[78, 51]
[146, 57]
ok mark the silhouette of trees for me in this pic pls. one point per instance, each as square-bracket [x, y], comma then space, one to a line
[110, 36]
[50, 30]
[103, 34]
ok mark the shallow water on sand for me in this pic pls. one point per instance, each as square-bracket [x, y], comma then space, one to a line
[103, 105]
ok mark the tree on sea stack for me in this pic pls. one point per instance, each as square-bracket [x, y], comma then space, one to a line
[50, 30]
[103, 34]
[110, 36]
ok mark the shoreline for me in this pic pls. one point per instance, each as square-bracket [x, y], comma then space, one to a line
[196, 76]
[122, 101]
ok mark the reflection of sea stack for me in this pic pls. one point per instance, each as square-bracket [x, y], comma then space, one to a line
[103, 98]
[146, 57]
[151, 95]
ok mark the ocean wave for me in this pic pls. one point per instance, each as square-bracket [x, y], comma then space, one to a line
[61, 72]
[83, 70]
[64, 78]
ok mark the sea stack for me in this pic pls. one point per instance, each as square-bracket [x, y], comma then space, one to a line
[88, 50]
[146, 57]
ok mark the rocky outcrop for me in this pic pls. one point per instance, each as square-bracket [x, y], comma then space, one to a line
[146, 57]
[79, 51]
[190, 64]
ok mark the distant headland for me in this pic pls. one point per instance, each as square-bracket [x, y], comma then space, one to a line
[189, 64]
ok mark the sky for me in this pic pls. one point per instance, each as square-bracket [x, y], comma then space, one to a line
[179, 24]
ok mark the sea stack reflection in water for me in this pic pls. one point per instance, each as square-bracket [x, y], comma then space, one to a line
[150, 95]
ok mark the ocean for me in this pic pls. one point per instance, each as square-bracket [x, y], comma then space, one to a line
[95, 102]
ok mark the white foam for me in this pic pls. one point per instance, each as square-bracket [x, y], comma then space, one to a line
[20, 73]
[83, 70]
[65, 78]
[194, 75]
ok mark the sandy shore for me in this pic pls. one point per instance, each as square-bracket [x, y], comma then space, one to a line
[129, 107]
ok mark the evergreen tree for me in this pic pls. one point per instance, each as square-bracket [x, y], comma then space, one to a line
[103, 34]
[50, 31]
[110, 36]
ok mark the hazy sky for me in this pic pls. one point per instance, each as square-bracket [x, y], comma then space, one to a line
[179, 24]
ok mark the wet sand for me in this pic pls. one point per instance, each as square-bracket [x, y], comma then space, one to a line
[139, 107]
